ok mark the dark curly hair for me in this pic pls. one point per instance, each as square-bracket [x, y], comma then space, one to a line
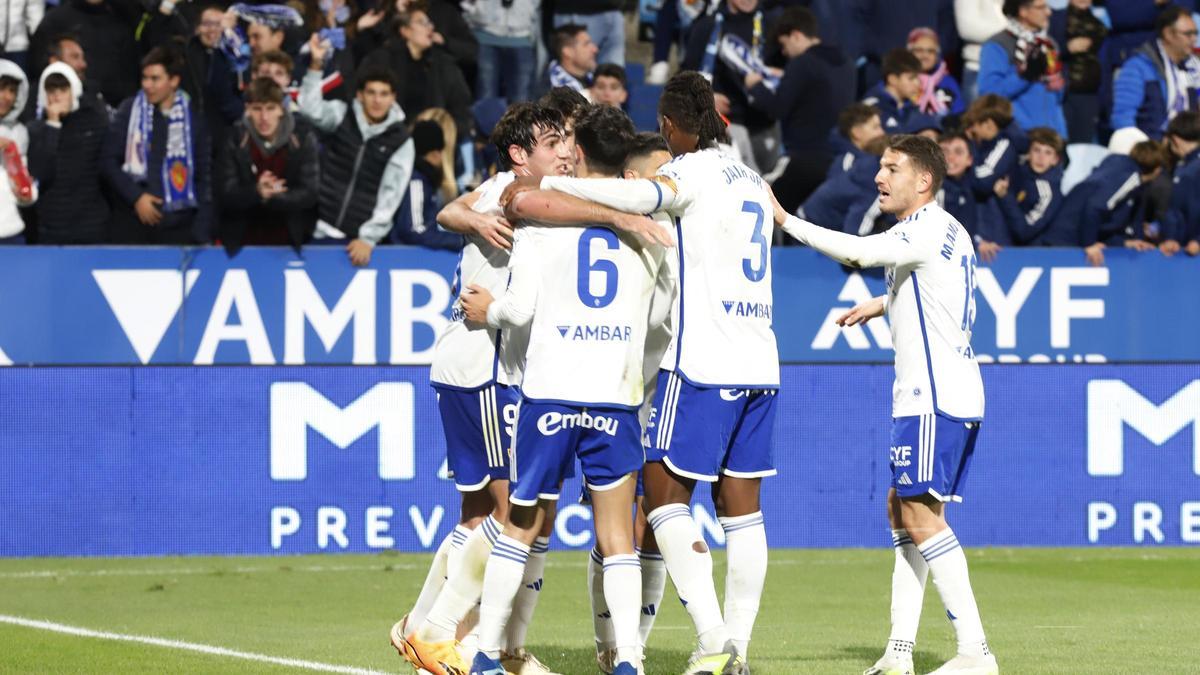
[688, 101]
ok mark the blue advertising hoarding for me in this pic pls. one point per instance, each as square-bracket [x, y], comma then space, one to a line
[263, 460]
[267, 306]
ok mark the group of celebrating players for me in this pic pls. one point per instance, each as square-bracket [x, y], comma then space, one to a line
[642, 346]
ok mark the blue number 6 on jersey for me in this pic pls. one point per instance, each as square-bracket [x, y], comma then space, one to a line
[756, 272]
[587, 266]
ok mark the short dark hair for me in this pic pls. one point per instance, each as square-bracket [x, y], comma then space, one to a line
[955, 135]
[273, 56]
[375, 72]
[56, 82]
[568, 102]
[899, 61]
[645, 144]
[854, 115]
[1186, 126]
[55, 47]
[605, 134]
[518, 126]
[1013, 7]
[1049, 138]
[10, 82]
[166, 56]
[688, 101]
[992, 107]
[264, 90]
[1149, 155]
[1167, 18]
[925, 155]
[563, 36]
[795, 20]
[611, 70]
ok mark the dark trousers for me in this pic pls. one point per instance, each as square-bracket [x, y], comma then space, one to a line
[15, 240]
[1083, 115]
[171, 231]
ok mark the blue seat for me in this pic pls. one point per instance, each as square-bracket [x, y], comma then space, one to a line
[635, 74]
[643, 106]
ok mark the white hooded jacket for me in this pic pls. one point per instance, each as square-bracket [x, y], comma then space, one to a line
[11, 129]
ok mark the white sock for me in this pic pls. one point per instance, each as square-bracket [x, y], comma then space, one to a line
[908, 594]
[601, 617]
[527, 597]
[501, 581]
[679, 538]
[434, 580]
[948, 565]
[746, 551]
[464, 587]
[622, 592]
[654, 580]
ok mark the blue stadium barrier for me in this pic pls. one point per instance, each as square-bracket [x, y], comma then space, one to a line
[643, 106]
[285, 460]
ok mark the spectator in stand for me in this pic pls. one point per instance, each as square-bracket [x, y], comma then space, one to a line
[448, 188]
[940, 94]
[1021, 63]
[978, 21]
[157, 160]
[104, 27]
[428, 77]
[362, 184]
[896, 94]
[884, 25]
[603, 21]
[608, 85]
[753, 132]
[21, 19]
[842, 200]
[573, 60]
[957, 196]
[278, 67]
[1107, 208]
[858, 124]
[1181, 226]
[504, 30]
[806, 120]
[1133, 24]
[416, 219]
[998, 144]
[920, 124]
[200, 53]
[65, 145]
[1160, 80]
[1081, 35]
[1031, 198]
[267, 175]
[14, 89]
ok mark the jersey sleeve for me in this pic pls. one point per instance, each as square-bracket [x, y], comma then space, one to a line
[904, 244]
[515, 308]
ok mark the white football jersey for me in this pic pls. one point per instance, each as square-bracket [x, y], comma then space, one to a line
[589, 291]
[931, 308]
[724, 224]
[466, 358]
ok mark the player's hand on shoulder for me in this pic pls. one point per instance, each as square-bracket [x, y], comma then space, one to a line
[495, 230]
[475, 302]
[520, 184]
[648, 231]
[862, 313]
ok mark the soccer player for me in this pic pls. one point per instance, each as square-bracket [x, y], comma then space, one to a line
[647, 153]
[714, 409]
[937, 405]
[581, 388]
[478, 411]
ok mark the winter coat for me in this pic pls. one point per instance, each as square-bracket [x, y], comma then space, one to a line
[106, 31]
[21, 19]
[11, 223]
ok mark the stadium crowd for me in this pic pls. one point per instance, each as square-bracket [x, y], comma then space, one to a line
[1069, 123]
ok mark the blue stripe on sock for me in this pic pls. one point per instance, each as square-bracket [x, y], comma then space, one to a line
[742, 526]
[940, 548]
[539, 548]
[649, 556]
[597, 557]
[520, 560]
[505, 546]
[674, 512]
[608, 566]
[931, 558]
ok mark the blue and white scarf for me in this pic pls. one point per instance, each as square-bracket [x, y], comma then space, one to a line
[233, 42]
[179, 162]
[734, 51]
[559, 77]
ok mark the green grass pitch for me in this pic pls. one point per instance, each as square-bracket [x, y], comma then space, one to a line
[1045, 611]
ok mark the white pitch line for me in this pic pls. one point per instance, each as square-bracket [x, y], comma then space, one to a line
[186, 646]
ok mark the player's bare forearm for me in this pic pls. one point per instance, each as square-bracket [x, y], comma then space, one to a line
[643, 195]
[558, 208]
[458, 216]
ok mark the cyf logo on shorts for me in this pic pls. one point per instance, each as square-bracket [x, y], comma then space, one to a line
[553, 422]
